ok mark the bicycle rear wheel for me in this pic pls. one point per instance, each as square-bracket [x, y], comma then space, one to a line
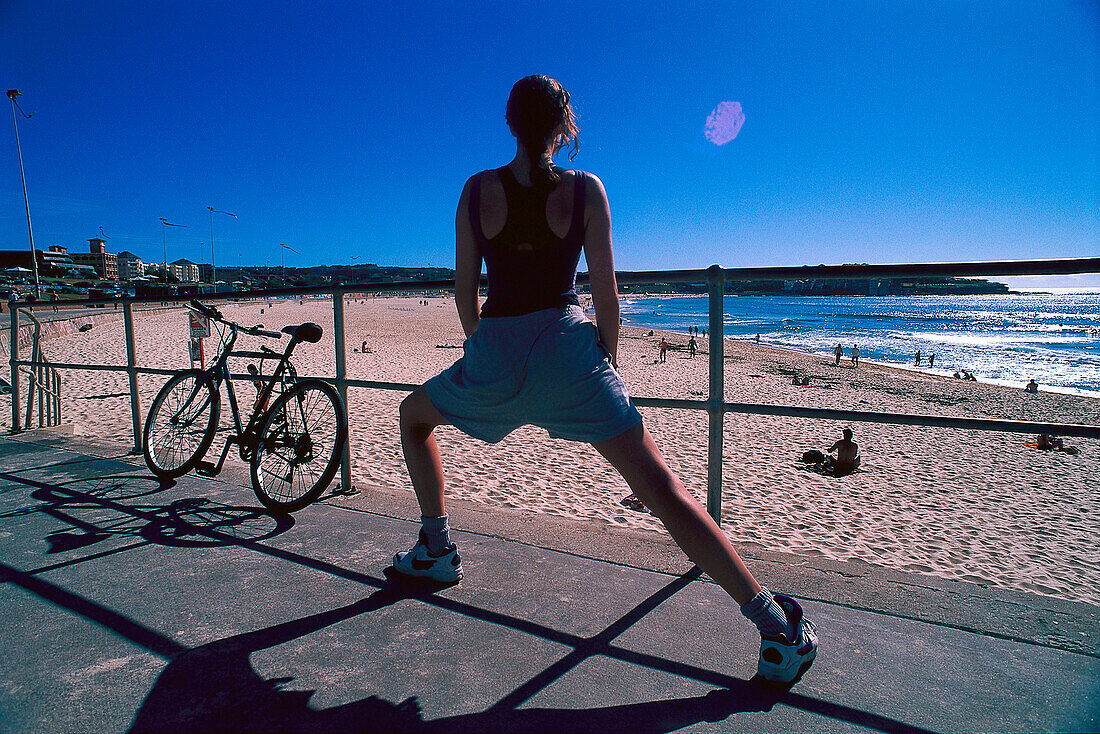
[181, 424]
[300, 446]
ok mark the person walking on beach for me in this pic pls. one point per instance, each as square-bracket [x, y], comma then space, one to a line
[931, 358]
[692, 346]
[917, 362]
[855, 355]
[838, 352]
[664, 349]
[533, 357]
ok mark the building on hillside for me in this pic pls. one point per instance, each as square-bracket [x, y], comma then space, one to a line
[184, 271]
[55, 263]
[105, 263]
[130, 266]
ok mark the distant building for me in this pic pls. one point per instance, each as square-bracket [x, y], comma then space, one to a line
[56, 263]
[105, 263]
[206, 272]
[130, 266]
[184, 271]
[18, 258]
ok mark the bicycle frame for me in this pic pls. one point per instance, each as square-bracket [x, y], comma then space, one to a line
[246, 436]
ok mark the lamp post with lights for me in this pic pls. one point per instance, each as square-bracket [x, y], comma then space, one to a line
[214, 270]
[165, 224]
[12, 94]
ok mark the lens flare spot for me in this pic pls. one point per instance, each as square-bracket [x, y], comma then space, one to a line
[724, 122]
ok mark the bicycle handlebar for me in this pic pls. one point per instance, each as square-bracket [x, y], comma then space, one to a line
[212, 313]
[208, 311]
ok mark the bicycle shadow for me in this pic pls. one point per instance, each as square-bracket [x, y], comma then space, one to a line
[99, 508]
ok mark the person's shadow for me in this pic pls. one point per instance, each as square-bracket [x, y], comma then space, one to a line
[215, 688]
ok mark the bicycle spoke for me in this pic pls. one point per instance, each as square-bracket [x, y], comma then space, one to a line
[180, 424]
[299, 446]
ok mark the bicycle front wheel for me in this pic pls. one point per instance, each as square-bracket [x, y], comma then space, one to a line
[181, 424]
[301, 443]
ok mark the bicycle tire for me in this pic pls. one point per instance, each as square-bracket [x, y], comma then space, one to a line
[306, 427]
[172, 450]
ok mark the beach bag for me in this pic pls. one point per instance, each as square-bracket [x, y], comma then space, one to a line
[813, 457]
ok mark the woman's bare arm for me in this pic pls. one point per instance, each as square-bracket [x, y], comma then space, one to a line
[601, 265]
[467, 266]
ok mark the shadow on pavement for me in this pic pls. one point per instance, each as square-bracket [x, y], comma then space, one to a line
[214, 687]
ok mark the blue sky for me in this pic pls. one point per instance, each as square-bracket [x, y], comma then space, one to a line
[874, 131]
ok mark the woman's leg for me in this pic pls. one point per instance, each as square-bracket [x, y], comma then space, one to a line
[418, 421]
[635, 455]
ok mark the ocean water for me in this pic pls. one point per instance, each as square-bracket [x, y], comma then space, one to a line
[1053, 338]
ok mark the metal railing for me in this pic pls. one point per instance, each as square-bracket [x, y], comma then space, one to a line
[44, 386]
[715, 404]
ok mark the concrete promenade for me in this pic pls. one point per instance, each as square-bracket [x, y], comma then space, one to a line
[132, 605]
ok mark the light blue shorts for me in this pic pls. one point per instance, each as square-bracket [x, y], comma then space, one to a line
[546, 368]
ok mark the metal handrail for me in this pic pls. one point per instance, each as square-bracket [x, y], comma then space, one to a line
[716, 406]
[44, 381]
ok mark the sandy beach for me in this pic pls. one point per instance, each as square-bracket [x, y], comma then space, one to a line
[978, 506]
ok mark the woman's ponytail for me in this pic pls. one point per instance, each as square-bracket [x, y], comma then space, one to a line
[538, 110]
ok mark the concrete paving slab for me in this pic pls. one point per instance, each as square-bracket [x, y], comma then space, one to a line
[134, 605]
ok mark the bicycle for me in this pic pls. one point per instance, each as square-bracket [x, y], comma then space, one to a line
[293, 442]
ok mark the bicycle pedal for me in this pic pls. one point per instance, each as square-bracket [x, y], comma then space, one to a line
[207, 469]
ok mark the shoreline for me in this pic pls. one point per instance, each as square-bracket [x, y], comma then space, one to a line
[826, 353]
[967, 505]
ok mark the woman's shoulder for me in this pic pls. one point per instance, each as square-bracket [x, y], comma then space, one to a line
[578, 173]
[480, 175]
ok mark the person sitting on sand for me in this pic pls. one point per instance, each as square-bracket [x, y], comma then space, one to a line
[1048, 442]
[533, 358]
[847, 455]
[1032, 386]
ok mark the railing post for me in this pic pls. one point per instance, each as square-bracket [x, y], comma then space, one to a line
[40, 381]
[342, 382]
[717, 397]
[131, 364]
[13, 310]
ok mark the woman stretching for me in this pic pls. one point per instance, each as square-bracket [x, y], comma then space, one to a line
[532, 357]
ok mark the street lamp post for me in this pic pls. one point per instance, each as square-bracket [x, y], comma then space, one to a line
[12, 94]
[213, 270]
[165, 224]
[282, 259]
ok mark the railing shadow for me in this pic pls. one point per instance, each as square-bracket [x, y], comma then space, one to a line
[214, 687]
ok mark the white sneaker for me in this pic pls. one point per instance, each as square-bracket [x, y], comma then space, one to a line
[781, 659]
[446, 567]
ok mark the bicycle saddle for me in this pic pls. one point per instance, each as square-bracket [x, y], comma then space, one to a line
[309, 332]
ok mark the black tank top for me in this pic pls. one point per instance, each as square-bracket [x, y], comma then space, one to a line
[528, 267]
